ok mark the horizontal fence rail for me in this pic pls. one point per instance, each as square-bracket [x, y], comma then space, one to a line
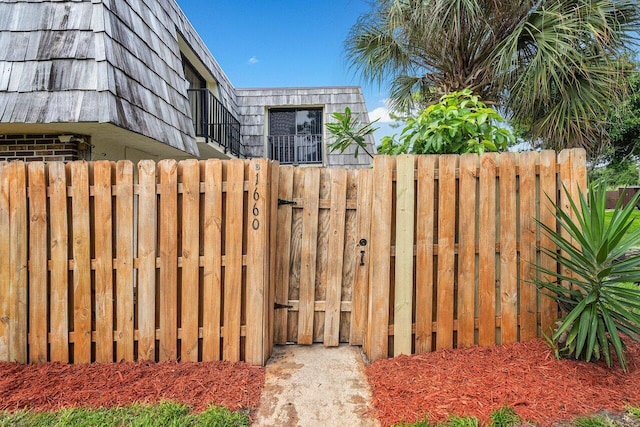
[103, 263]
[450, 265]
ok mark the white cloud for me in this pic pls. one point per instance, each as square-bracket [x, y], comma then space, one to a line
[253, 60]
[381, 113]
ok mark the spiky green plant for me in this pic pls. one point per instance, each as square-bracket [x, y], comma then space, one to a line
[592, 285]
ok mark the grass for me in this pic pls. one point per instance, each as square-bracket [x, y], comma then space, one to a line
[163, 414]
[635, 215]
[506, 417]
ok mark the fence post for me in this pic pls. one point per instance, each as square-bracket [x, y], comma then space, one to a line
[5, 238]
[257, 226]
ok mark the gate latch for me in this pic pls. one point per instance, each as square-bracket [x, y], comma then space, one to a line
[285, 202]
[278, 305]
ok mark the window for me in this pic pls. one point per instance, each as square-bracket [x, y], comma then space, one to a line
[193, 77]
[295, 135]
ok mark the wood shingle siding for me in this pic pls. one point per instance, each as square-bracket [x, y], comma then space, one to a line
[253, 104]
[108, 61]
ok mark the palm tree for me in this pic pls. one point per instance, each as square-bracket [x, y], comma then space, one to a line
[550, 65]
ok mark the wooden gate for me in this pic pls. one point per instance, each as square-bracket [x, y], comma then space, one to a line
[322, 256]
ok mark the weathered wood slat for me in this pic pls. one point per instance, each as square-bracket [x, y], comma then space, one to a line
[212, 274]
[168, 247]
[308, 256]
[336, 251]
[5, 254]
[548, 189]
[446, 240]
[58, 304]
[467, 210]
[487, 261]
[147, 237]
[82, 262]
[124, 254]
[508, 255]
[528, 251]
[283, 252]
[102, 175]
[403, 293]
[363, 255]
[234, 172]
[189, 171]
[380, 273]
[18, 263]
[38, 263]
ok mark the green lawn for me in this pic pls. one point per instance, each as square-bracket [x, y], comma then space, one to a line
[636, 223]
[160, 415]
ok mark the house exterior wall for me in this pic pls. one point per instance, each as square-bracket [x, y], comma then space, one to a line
[39, 147]
[109, 61]
[254, 104]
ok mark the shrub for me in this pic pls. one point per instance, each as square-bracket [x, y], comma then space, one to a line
[592, 287]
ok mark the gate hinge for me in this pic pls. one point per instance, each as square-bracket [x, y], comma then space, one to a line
[286, 202]
[278, 305]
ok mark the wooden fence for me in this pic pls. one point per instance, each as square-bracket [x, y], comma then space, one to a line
[210, 260]
[96, 265]
[453, 243]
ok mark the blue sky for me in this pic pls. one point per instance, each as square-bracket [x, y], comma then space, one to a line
[284, 43]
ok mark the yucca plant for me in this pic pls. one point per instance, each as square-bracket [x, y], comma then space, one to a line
[592, 287]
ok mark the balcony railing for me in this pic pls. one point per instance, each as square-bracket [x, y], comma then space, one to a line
[214, 122]
[296, 149]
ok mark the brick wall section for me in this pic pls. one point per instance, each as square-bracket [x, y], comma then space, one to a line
[39, 147]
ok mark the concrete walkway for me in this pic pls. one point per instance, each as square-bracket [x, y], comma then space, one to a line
[311, 386]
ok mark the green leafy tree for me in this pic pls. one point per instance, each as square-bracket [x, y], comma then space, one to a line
[348, 130]
[459, 123]
[597, 286]
[551, 65]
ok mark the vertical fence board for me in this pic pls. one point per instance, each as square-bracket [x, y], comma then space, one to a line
[380, 271]
[405, 218]
[168, 225]
[508, 249]
[104, 261]
[308, 256]
[38, 258]
[424, 253]
[233, 260]
[5, 253]
[257, 260]
[361, 281]
[283, 252]
[467, 209]
[270, 278]
[528, 296]
[147, 232]
[58, 309]
[446, 244]
[18, 263]
[336, 253]
[124, 254]
[548, 189]
[212, 285]
[81, 262]
[487, 255]
[189, 170]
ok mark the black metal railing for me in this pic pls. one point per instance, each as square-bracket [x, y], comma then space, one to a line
[296, 149]
[214, 122]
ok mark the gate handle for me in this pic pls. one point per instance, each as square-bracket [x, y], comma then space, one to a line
[361, 257]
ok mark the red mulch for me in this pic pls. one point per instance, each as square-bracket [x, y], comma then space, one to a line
[477, 381]
[53, 386]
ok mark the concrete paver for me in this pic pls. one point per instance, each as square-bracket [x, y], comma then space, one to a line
[314, 385]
